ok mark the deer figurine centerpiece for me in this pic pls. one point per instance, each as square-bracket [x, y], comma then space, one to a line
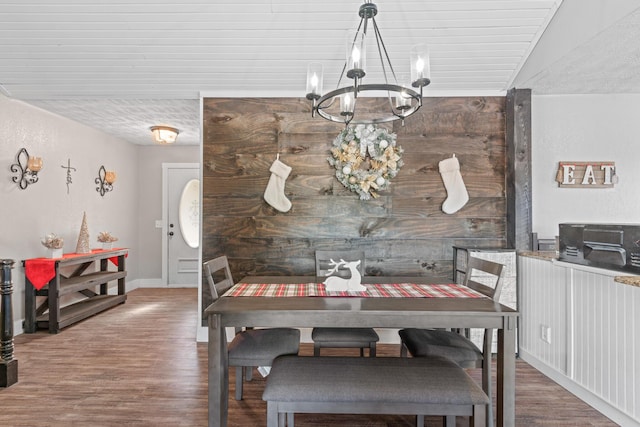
[352, 284]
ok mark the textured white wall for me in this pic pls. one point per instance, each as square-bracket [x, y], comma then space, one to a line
[584, 128]
[46, 207]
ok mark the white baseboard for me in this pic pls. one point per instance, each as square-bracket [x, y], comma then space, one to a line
[202, 334]
[155, 283]
[18, 329]
[144, 283]
[602, 406]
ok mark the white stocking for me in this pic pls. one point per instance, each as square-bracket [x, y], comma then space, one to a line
[457, 195]
[274, 194]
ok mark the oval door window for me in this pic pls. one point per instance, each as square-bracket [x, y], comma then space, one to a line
[189, 213]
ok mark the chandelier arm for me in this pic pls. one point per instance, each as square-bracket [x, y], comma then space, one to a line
[355, 80]
[366, 22]
[379, 42]
[344, 68]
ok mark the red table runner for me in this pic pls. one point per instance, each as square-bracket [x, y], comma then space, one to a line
[40, 271]
[391, 290]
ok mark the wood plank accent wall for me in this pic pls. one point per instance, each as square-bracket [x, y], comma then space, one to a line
[403, 232]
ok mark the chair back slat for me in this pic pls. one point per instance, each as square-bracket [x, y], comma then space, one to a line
[323, 260]
[218, 276]
[491, 271]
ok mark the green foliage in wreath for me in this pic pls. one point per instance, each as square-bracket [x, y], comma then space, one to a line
[366, 158]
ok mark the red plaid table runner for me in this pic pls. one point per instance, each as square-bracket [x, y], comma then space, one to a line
[391, 290]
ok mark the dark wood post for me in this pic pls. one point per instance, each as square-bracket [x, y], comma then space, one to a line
[518, 176]
[8, 365]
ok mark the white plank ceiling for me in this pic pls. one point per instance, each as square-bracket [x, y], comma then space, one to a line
[124, 65]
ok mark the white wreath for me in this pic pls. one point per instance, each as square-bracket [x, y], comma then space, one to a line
[370, 147]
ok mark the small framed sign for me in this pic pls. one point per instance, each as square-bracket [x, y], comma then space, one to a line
[586, 174]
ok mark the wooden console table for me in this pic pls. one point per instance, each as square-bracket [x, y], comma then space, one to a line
[50, 315]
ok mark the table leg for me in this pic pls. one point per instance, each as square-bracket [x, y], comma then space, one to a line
[122, 289]
[104, 266]
[218, 373]
[53, 302]
[506, 373]
[29, 307]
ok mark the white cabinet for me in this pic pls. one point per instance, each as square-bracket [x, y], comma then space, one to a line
[543, 311]
[592, 343]
[605, 328]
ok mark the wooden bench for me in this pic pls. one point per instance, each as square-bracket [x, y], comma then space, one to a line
[380, 385]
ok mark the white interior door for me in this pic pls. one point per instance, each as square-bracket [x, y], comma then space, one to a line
[182, 225]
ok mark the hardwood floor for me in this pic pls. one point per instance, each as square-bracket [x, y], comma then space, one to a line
[138, 365]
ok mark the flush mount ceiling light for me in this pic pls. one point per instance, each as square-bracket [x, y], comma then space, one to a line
[164, 134]
[404, 100]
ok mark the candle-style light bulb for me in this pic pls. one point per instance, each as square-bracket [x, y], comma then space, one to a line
[314, 81]
[110, 177]
[355, 54]
[34, 164]
[420, 68]
[347, 102]
[346, 105]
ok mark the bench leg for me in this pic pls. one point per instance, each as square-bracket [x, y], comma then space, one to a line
[290, 419]
[450, 421]
[272, 415]
[420, 421]
[487, 384]
[372, 349]
[239, 374]
[248, 373]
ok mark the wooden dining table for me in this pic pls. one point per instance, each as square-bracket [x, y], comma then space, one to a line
[355, 311]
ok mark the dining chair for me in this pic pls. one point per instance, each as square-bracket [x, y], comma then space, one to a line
[485, 277]
[342, 337]
[250, 347]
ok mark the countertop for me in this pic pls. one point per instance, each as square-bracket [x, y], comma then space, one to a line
[551, 255]
[547, 255]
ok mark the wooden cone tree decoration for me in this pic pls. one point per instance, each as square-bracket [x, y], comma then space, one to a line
[83, 239]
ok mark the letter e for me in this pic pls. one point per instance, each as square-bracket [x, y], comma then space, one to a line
[567, 174]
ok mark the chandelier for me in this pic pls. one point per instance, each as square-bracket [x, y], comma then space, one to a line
[339, 105]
